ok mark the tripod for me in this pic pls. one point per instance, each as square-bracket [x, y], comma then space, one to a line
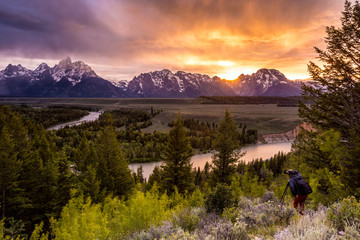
[282, 198]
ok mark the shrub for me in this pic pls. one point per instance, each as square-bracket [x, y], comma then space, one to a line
[258, 213]
[114, 219]
[345, 213]
[311, 227]
[156, 232]
[197, 198]
[219, 199]
[140, 212]
[212, 226]
[81, 220]
[188, 218]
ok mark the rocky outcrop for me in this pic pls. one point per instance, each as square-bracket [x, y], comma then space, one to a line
[288, 136]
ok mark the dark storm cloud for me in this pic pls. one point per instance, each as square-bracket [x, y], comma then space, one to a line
[37, 28]
[13, 19]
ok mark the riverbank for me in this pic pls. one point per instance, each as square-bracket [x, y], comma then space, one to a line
[288, 136]
[264, 151]
[92, 116]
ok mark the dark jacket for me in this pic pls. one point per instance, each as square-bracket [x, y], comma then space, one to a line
[294, 188]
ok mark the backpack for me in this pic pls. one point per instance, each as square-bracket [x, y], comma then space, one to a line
[304, 187]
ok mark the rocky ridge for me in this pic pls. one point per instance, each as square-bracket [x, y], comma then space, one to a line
[76, 79]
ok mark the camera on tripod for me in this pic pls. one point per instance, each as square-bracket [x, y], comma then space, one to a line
[290, 172]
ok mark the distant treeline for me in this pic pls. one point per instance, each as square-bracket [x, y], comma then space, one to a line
[51, 115]
[202, 134]
[280, 101]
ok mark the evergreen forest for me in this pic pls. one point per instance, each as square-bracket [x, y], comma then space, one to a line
[75, 182]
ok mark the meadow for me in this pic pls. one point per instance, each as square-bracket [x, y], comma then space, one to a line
[266, 118]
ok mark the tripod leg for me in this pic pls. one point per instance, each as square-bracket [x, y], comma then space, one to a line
[282, 198]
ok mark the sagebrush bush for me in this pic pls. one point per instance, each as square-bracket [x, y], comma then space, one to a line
[312, 226]
[213, 227]
[345, 213]
[257, 213]
[155, 232]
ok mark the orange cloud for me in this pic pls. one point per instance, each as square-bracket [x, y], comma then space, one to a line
[216, 37]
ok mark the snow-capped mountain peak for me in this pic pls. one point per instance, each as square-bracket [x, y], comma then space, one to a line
[77, 79]
[265, 82]
[65, 63]
[164, 83]
[72, 71]
[42, 68]
[122, 84]
[15, 71]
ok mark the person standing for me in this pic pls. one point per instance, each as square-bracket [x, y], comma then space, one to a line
[300, 194]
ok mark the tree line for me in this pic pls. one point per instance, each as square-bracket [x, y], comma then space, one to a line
[202, 134]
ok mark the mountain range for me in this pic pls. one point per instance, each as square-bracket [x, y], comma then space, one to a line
[76, 79]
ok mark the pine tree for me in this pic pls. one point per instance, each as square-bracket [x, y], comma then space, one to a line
[113, 170]
[140, 174]
[177, 154]
[336, 102]
[40, 175]
[13, 145]
[226, 144]
[336, 93]
[155, 177]
[9, 171]
[90, 185]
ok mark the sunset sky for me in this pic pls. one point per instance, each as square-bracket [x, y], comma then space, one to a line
[123, 38]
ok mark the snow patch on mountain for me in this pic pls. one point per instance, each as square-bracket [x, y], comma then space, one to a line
[122, 84]
[73, 71]
[264, 82]
[15, 71]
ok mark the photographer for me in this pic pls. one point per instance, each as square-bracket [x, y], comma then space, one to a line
[299, 189]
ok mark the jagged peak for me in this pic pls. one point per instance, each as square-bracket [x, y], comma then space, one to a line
[15, 68]
[42, 67]
[180, 72]
[269, 71]
[65, 62]
[9, 66]
[163, 72]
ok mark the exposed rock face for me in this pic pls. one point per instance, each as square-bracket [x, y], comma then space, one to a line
[288, 136]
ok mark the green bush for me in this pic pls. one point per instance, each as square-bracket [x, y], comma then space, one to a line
[345, 213]
[188, 218]
[219, 199]
[114, 219]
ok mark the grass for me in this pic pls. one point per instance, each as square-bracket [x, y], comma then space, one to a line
[266, 118]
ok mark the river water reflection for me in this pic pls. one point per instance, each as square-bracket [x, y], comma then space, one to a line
[263, 151]
[88, 118]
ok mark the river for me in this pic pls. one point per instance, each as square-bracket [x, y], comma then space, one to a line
[91, 117]
[263, 151]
